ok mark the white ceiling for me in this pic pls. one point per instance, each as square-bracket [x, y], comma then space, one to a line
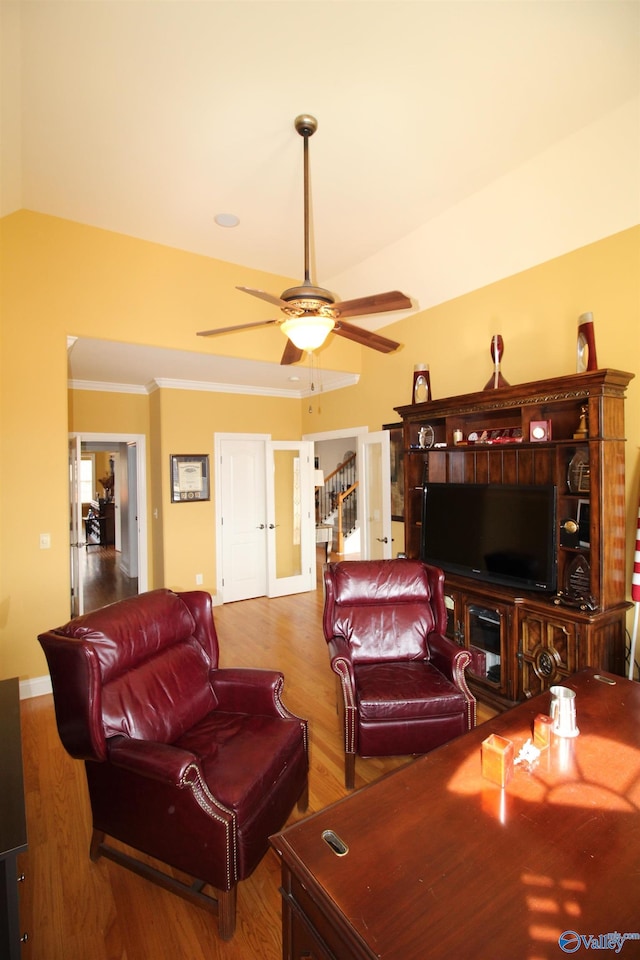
[148, 117]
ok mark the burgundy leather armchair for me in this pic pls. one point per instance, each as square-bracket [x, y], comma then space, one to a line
[190, 764]
[401, 682]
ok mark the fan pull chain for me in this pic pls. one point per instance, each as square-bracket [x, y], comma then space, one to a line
[314, 364]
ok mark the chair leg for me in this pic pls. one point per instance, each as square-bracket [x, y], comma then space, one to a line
[227, 912]
[349, 770]
[97, 837]
[303, 799]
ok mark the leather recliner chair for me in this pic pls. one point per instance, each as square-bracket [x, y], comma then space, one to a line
[190, 764]
[401, 683]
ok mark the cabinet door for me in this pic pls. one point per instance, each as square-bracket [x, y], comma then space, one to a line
[548, 651]
[486, 635]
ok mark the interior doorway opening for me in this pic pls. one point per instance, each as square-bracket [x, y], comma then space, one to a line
[109, 554]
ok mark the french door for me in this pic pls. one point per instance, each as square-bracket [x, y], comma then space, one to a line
[374, 458]
[265, 525]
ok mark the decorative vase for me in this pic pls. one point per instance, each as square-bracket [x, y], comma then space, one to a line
[421, 384]
[497, 350]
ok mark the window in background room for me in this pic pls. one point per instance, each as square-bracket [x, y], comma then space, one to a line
[87, 479]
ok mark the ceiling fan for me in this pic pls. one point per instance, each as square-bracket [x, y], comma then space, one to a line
[311, 313]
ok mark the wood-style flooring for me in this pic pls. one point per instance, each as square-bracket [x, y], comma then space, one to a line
[102, 579]
[73, 909]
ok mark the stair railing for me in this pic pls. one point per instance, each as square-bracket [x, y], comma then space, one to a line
[338, 498]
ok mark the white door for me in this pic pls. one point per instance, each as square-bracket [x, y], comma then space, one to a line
[374, 471]
[290, 517]
[76, 527]
[265, 525]
[241, 507]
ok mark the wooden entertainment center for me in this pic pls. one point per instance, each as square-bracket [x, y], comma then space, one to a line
[524, 641]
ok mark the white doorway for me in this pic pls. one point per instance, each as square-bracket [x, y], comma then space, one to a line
[129, 508]
[374, 455]
[374, 472]
[264, 517]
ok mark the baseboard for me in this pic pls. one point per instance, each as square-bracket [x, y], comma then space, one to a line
[36, 687]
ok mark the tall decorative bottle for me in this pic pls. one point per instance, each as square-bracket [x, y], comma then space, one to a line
[421, 383]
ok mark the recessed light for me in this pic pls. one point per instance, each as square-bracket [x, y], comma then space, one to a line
[226, 219]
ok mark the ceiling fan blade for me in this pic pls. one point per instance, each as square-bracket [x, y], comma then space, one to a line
[378, 303]
[291, 354]
[240, 326]
[365, 337]
[263, 295]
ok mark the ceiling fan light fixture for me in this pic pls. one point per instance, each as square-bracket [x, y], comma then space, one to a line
[308, 333]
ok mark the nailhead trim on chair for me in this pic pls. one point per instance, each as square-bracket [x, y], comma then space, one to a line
[350, 726]
[210, 806]
[462, 661]
[285, 713]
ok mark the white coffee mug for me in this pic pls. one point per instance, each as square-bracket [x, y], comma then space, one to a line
[563, 711]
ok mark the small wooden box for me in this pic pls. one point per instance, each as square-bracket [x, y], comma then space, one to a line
[542, 725]
[497, 759]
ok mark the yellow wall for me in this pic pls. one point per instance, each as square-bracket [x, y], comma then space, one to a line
[536, 312]
[60, 279]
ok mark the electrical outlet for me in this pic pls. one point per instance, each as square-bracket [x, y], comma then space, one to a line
[45, 541]
[198, 579]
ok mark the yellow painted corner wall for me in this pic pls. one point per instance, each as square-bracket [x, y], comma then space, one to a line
[62, 279]
[536, 312]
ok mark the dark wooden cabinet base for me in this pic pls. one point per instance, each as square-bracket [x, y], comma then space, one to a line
[13, 827]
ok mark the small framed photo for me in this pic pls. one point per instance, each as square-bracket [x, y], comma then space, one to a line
[189, 477]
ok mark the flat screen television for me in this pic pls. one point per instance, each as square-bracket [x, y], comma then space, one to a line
[500, 533]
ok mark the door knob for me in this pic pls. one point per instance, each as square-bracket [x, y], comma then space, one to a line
[260, 526]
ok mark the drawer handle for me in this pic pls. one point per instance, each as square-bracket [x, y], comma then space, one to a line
[338, 846]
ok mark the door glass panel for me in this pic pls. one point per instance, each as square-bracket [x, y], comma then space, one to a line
[374, 501]
[288, 517]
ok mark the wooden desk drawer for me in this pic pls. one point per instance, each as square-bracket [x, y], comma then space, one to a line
[307, 932]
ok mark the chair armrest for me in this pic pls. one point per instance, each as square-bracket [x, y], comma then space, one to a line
[243, 690]
[147, 758]
[341, 664]
[448, 657]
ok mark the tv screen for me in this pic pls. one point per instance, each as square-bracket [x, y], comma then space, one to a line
[496, 532]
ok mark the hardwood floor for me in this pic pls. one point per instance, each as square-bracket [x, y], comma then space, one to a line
[103, 580]
[74, 909]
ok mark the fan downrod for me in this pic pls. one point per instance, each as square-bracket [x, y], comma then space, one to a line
[306, 125]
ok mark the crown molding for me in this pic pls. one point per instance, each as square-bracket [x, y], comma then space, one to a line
[302, 391]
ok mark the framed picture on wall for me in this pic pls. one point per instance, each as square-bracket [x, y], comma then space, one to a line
[397, 470]
[189, 477]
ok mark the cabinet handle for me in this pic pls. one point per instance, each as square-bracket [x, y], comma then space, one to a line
[24, 938]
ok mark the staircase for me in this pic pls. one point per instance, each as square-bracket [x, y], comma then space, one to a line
[337, 506]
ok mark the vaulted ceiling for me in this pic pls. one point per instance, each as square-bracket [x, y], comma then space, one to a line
[149, 117]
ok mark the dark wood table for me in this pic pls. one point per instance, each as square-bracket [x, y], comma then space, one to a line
[442, 863]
